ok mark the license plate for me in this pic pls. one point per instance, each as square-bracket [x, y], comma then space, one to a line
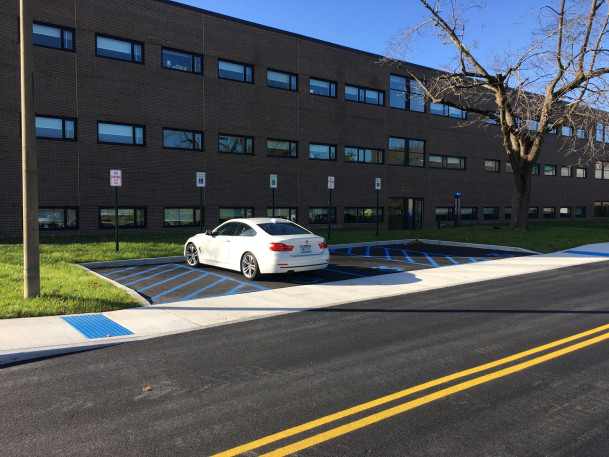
[305, 249]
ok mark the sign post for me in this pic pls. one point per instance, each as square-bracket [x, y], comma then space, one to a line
[330, 187]
[116, 181]
[273, 186]
[377, 186]
[201, 184]
[457, 209]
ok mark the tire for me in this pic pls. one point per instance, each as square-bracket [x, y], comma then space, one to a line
[249, 267]
[192, 255]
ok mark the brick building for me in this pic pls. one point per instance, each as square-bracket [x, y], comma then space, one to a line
[161, 91]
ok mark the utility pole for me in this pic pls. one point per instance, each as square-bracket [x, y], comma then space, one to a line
[29, 158]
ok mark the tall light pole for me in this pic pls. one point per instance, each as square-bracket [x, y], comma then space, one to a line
[29, 158]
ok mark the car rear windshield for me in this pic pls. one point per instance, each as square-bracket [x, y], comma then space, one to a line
[283, 228]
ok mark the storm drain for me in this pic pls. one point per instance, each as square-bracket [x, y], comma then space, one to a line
[96, 326]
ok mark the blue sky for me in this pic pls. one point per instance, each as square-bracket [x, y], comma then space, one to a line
[368, 25]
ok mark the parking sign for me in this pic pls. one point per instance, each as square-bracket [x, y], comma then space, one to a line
[273, 181]
[330, 182]
[116, 178]
[200, 179]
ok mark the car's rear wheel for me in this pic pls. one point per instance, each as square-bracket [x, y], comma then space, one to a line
[192, 256]
[249, 266]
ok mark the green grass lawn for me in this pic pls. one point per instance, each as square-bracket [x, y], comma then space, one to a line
[68, 289]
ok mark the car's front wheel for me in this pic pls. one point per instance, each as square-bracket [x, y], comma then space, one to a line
[249, 266]
[192, 256]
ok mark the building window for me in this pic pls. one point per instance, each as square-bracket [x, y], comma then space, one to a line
[601, 209]
[566, 172]
[535, 169]
[182, 139]
[549, 212]
[284, 213]
[127, 218]
[281, 148]
[51, 36]
[565, 212]
[56, 128]
[322, 151]
[453, 163]
[181, 217]
[234, 213]
[406, 93]
[235, 144]
[362, 95]
[320, 215]
[235, 71]
[581, 173]
[357, 215]
[281, 80]
[469, 214]
[601, 170]
[363, 155]
[492, 166]
[414, 156]
[549, 170]
[57, 218]
[445, 214]
[507, 212]
[442, 109]
[120, 134]
[566, 130]
[580, 211]
[321, 87]
[181, 61]
[582, 134]
[508, 167]
[602, 132]
[491, 213]
[131, 51]
[533, 212]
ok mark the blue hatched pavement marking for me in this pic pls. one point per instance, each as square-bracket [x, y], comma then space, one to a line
[203, 289]
[120, 271]
[151, 276]
[229, 278]
[432, 261]
[201, 276]
[346, 272]
[387, 255]
[165, 280]
[96, 326]
[409, 259]
[139, 273]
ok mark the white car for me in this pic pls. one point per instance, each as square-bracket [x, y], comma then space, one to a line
[258, 246]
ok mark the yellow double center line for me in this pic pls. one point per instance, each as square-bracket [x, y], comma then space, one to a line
[357, 424]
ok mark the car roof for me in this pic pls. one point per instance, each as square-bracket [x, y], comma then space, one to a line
[260, 220]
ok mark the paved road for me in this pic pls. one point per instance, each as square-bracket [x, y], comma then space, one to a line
[216, 389]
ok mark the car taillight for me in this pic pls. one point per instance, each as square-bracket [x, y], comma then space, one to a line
[280, 247]
[323, 245]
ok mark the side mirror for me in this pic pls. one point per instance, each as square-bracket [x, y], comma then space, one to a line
[208, 232]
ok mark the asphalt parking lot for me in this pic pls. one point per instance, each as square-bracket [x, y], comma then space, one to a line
[172, 282]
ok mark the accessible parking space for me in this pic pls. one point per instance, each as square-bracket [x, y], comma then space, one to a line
[172, 282]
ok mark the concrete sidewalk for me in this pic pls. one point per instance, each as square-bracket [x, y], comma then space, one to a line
[34, 337]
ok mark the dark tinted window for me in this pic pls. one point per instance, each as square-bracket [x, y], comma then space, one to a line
[283, 228]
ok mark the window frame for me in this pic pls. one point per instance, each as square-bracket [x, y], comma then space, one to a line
[444, 162]
[361, 152]
[360, 215]
[194, 134]
[248, 213]
[321, 209]
[65, 210]
[408, 154]
[331, 149]
[293, 78]
[408, 94]
[133, 44]
[193, 57]
[291, 145]
[292, 213]
[245, 142]
[496, 168]
[134, 127]
[332, 87]
[245, 75]
[62, 30]
[195, 223]
[135, 209]
[446, 111]
[63, 128]
[362, 95]
[549, 170]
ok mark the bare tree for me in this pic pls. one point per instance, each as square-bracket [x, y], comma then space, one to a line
[558, 82]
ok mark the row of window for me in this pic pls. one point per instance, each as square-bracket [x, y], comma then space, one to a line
[67, 218]
[405, 93]
[492, 213]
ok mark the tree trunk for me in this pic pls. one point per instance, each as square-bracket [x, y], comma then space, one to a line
[521, 198]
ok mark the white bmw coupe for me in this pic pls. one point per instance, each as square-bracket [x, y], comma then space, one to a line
[258, 246]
